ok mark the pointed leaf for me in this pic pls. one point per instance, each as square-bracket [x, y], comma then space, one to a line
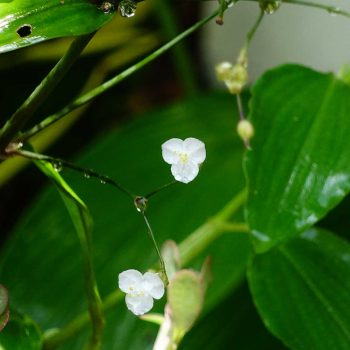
[301, 290]
[299, 166]
[26, 22]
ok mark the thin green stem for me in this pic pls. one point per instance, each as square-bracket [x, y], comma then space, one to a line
[329, 8]
[39, 95]
[193, 245]
[201, 238]
[256, 25]
[181, 58]
[161, 261]
[58, 164]
[94, 299]
[161, 188]
[240, 107]
[88, 97]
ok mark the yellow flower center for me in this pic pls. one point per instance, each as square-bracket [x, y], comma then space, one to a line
[183, 157]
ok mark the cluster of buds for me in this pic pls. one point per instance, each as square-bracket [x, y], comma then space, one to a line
[234, 76]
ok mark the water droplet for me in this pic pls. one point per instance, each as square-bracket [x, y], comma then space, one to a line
[141, 204]
[87, 175]
[270, 7]
[103, 181]
[57, 165]
[127, 8]
[230, 3]
[334, 11]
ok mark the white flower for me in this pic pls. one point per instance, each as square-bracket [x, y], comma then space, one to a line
[140, 290]
[185, 157]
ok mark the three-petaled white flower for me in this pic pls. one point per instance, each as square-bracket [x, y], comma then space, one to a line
[185, 157]
[140, 290]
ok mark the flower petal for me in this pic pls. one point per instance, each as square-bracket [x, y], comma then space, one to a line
[171, 149]
[139, 304]
[153, 285]
[195, 150]
[184, 172]
[130, 281]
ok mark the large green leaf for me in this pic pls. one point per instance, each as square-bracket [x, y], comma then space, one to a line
[26, 22]
[301, 290]
[299, 166]
[234, 324]
[44, 251]
[21, 333]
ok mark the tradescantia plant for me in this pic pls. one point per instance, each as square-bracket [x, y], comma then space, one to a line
[293, 138]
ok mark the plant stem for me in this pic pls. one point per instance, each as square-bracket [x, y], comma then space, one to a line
[181, 58]
[42, 91]
[112, 82]
[329, 8]
[201, 238]
[190, 247]
[256, 25]
[161, 188]
[59, 163]
[150, 233]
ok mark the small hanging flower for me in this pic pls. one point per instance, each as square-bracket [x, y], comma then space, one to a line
[185, 157]
[140, 290]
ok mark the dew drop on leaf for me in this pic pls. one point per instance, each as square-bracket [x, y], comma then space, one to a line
[127, 8]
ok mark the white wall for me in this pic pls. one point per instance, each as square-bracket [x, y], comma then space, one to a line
[294, 33]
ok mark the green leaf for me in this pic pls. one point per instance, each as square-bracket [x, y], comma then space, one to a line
[301, 290]
[299, 166]
[21, 333]
[27, 22]
[77, 209]
[44, 241]
[234, 324]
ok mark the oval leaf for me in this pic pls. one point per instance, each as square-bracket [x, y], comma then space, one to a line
[301, 290]
[21, 333]
[299, 166]
[26, 22]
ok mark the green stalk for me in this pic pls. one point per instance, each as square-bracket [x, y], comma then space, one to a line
[201, 238]
[329, 8]
[88, 97]
[161, 261]
[42, 91]
[159, 189]
[60, 163]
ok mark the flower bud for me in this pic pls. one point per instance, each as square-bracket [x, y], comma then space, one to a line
[223, 71]
[245, 130]
[238, 78]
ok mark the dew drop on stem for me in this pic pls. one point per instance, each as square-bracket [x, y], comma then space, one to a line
[57, 166]
[270, 6]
